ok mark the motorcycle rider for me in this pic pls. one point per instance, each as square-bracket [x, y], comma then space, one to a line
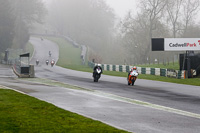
[47, 62]
[37, 62]
[131, 70]
[95, 68]
[52, 62]
[49, 53]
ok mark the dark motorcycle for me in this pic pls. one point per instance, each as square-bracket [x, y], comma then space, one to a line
[97, 74]
[47, 62]
[37, 62]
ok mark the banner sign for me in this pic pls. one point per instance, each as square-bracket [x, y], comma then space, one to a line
[181, 44]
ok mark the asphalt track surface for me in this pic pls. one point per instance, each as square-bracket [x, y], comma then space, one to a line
[147, 107]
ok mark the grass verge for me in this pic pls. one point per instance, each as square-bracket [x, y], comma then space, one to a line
[68, 55]
[22, 113]
[29, 48]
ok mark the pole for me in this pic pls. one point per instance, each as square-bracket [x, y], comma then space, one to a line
[188, 65]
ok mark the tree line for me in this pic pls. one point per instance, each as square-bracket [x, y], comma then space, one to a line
[88, 22]
[158, 19]
[93, 23]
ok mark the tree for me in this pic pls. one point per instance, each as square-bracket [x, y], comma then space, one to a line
[26, 13]
[88, 22]
[193, 31]
[139, 30]
[135, 31]
[6, 25]
[174, 13]
[153, 9]
[191, 8]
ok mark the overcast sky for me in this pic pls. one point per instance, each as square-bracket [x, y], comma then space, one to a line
[121, 7]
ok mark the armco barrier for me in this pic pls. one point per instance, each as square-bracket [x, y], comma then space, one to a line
[148, 70]
[163, 72]
[142, 70]
[127, 68]
[153, 71]
[120, 68]
[114, 67]
[108, 68]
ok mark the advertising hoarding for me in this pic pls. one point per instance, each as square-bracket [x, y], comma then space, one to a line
[181, 44]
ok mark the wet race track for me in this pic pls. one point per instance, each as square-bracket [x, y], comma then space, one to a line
[149, 106]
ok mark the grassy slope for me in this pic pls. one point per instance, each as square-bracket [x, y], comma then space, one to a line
[29, 48]
[69, 55]
[21, 113]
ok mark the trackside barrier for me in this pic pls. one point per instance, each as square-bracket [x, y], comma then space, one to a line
[142, 70]
[31, 73]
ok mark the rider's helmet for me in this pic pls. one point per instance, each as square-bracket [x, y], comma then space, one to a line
[134, 68]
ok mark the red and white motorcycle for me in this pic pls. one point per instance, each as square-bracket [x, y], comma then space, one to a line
[132, 77]
[52, 63]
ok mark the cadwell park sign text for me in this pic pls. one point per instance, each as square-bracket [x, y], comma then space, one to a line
[175, 44]
[182, 44]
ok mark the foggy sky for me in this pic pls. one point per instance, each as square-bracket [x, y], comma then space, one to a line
[121, 7]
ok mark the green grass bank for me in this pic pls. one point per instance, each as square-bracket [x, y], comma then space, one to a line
[69, 56]
[25, 114]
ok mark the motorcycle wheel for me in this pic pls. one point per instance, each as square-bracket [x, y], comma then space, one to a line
[133, 82]
[129, 83]
[96, 78]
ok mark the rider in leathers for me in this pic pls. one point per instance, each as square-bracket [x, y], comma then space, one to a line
[132, 69]
[94, 70]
